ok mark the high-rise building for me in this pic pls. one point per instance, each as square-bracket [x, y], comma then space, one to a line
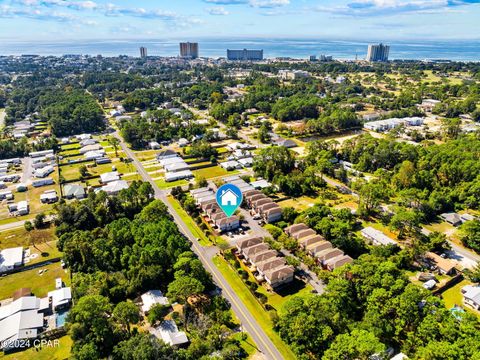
[143, 52]
[246, 55]
[189, 50]
[378, 52]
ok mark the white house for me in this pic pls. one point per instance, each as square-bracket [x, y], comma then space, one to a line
[169, 333]
[153, 297]
[229, 198]
[11, 258]
[44, 171]
[471, 296]
[109, 177]
[114, 187]
[74, 191]
[61, 298]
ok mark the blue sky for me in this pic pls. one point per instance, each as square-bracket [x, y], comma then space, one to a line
[46, 20]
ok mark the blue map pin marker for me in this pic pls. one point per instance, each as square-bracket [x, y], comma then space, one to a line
[229, 198]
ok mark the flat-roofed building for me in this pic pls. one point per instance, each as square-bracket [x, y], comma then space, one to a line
[244, 55]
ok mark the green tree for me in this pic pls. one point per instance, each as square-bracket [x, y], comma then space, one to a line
[126, 313]
[183, 287]
[359, 344]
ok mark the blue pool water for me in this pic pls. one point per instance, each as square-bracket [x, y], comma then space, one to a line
[60, 318]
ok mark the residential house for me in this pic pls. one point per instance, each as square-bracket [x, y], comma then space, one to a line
[290, 230]
[151, 298]
[109, 177]
[279, 276]
[246, 243]
[93, 155]
[88, 148]
[165, 154]
[114, 187]
[263, 256]
[377, 237]
[11, 258]
[44, 171]
[327, 254]
[169, 333]
[228, 223]
[42, 182]
[444, 266]
[273, 215]
[471, 296]
[452, 218]
[49, 197]
[76, 191]
[336, 262]
[255, 249]
[60, 298]
[303, 233]
[178, 175]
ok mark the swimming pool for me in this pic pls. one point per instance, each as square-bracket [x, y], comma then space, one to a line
[60, 318]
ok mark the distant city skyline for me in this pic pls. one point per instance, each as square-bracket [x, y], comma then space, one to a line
[369, 20]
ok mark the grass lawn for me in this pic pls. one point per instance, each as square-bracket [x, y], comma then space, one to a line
[301, 203]
[191, 224]
[442, 227]
[146, 155]
[212, 172]
[253, 306]
[74, 146]
[162, 184]
[71, 172]
[13, 238]
[46, 353]
[47, 250]
[40, 284]
[453, 296]
[278, 298]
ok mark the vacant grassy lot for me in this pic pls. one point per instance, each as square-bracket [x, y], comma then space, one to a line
[301, 203]
[62, 352]
[253, 306]
[47, 250]
[146, 155]
[40, 284]
[212, 172]
[162, 184]
[21, 237]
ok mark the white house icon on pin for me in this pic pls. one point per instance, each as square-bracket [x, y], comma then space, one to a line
[229, 198]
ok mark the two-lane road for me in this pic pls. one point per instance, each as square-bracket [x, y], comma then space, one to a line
[247, 320]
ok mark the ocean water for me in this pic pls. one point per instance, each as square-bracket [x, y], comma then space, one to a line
[296, 48]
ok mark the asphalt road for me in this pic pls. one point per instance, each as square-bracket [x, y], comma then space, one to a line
[248, 322]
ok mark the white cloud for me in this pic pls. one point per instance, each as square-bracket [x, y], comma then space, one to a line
[268, 3]
[217, 10]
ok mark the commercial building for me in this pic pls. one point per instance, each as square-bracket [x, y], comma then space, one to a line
[244, 55]
[143, 52]
[389, 124]
[378, 52]
[189, 50]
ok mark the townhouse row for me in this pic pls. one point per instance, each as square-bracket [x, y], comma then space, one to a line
[265, 263]
[315, 245]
